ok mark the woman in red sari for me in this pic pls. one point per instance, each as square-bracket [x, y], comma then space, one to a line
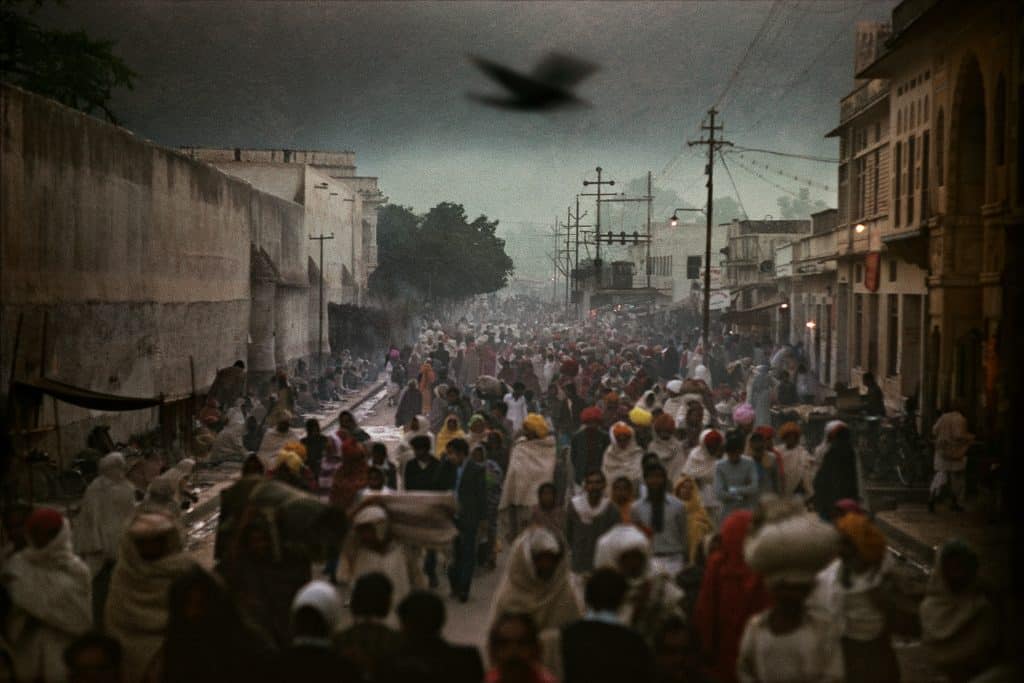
[731, 592]
[351, 476]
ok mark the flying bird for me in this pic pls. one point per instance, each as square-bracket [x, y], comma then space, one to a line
[549, 86]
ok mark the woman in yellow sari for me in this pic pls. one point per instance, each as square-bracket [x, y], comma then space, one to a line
[450, 430]
[698, 524]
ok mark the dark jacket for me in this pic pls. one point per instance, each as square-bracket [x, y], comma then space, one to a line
[472, 493]
[423, 478]
[595, 651]
[434, 662]
[588, 451]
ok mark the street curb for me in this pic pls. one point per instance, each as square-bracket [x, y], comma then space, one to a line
[904, 542]
[210, 501]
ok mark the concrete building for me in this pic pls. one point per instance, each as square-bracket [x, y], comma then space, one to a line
[750, 276]
[676, 262]
[957, 194]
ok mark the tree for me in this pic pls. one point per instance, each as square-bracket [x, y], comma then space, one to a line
[667, 200]
[440, 255]
[801, 206]
[67, 66]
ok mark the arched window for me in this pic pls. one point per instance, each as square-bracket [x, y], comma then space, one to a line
[940, 149]
[999, 131]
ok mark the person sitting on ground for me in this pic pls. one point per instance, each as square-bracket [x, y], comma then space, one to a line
[514, 648]
[599, 647]
[275, 439]
[369, 642]
[425, 656]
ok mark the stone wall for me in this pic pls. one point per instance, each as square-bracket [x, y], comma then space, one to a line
[134, 258]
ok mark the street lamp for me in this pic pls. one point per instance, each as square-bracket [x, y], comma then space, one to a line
[674, 221]
[860, 228]
[811, 325]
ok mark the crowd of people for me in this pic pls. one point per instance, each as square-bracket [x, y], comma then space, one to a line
[647, 520]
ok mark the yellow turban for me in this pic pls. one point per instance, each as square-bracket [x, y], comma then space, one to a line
[288, 458]
[865, 536]
[640, 417]
[536, 424]
[296, 448]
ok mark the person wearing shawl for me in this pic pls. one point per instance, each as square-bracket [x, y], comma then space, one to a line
[837, 477]
[613, 410]
[589, 516]
[653, 598]
[351, 476]
[330, 463]
[588, 444]
[760, 395]
[410, 404]
[622, 457]
[427, 378]
[667, 447]
[477, 433]
[228, 444]
[698, 523]
[849, 592]
[790, 642]
[50, 596]
[960, 620]
[547, 512]
[674, 403]
[536, 582]
[663, 516]
[531, 463]
[700, 467]
[952, 441]
[370, 548]
[439, 408]
[107, 506]
[730, 593]
[152, 558]
[797, 470]
[450, 429]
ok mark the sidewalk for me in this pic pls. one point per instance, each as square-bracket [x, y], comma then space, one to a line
[211, 481]
[917, 532]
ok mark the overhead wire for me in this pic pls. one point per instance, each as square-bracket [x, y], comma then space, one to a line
[772, 11]
[768, 180]
[808, 157]
[733, 183]
[786, 173]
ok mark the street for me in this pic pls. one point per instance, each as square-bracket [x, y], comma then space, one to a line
[467, 623]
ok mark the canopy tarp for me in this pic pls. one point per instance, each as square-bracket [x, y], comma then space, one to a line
[85, 398]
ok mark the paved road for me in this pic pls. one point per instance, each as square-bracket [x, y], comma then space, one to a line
[468, 623]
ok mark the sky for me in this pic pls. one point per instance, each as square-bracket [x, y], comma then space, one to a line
[390, 82]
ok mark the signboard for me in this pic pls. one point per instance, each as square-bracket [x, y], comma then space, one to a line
[716, 275]
[872, 266]
[719, 300]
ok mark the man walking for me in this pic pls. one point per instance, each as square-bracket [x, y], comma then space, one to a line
[468, 480]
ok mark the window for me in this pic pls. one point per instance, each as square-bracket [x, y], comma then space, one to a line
[940, 152]
[858, 273]
[693, 267]
[911, 149]
[893, 329]
[878, 131]
[893, 269]
[999, 139]
[873, 332]
[925, 208]
[897, 186]
[874, 180]
[858, 329]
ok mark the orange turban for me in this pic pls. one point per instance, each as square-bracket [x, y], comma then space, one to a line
[789, 428]
[621, 429]
[865, 536]
[664, 423]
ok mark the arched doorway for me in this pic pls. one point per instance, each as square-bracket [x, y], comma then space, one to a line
[963, 297]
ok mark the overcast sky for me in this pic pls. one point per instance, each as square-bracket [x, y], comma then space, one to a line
[389, 81]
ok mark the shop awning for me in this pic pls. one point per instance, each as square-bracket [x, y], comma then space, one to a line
[85, 398]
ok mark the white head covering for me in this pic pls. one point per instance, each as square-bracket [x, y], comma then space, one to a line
[792, 549]
[675, 386]
[619, 540]
[322, 597]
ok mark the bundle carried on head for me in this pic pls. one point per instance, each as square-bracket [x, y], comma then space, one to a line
[789, 545]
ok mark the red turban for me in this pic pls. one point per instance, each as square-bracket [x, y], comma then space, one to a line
[592, 415]
[713, 439]
[44, 520]
[767, 432]
[664, 423]
[789, 428]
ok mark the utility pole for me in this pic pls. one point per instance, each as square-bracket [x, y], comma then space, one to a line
[320, 337]
[576, 256]
[568, 254]
[599, 183]
[650, 198]
[713, 146]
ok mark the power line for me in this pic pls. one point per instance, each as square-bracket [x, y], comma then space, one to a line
[768, 180]
[793, 155]
[733, 182]
[787, 174]
[746, 54]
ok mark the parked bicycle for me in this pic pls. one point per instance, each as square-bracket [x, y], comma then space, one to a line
[891, 450]
[38, 477]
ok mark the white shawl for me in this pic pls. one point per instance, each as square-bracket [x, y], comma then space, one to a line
[107, 505]
[623, 462]
[531, 463]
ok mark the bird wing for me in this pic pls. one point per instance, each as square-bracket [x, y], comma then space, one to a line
[509, 79]
[562, 71]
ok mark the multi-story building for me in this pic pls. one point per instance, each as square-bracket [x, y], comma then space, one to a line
[880, 285]
[957, 197]
[675, 261]
[750, 277]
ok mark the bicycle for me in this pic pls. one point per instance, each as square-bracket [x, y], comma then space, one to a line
[37, 477]
[906, 450]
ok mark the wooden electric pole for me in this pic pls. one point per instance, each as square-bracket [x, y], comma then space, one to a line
[320, 337]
